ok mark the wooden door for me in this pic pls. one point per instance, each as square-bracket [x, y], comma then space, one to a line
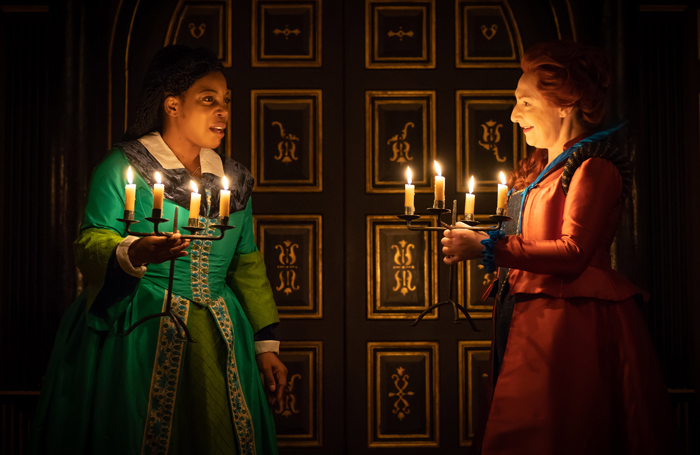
[330, 102]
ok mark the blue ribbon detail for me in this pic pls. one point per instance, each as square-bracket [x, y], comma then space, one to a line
[599, 136]
[488, 256]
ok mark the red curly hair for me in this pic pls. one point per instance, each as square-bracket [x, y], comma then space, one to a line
[568, 74]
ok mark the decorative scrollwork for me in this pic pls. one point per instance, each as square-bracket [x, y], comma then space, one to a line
[401, 34]
[286, 32]
[197, 32]
[401, 405]
[485, 31]
[487, 278]
[400, 146]
[403, 260]
[492, 136]
[287, 267]
[288, 407]
[287, 146]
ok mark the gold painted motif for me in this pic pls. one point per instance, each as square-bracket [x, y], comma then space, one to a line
[286, 32]
[401, 405]
[485, 31]
[400, 146]
[404, 266]
[401, 34]
[288, 274]
[488, 277]
[492, 136]
[195, 31]
[286, 146]
[288, 407]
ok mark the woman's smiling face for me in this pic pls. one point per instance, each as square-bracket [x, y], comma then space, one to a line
[540, 120]
[203, 111]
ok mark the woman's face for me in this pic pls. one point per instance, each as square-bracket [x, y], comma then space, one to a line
[540, 120]
[203, 111]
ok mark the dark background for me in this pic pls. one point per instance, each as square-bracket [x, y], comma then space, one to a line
[62, 93]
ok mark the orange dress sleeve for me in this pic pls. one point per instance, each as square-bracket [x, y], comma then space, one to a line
[594, 192]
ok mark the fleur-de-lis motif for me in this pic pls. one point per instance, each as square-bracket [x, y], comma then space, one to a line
[288, 407]
[401, 405]
[286, 147]
[401, 33]
[400, 146]
[286, 32]
[403, 260]
[492, 136]
[287, 267]
[197, 32]
[485, 31]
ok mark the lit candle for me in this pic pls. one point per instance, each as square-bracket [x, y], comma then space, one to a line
[502, 193]
[469, 206]
[130, 191]
[195, 201]
[158, 190]
[410, 189]
[225, 199]
[439, 184]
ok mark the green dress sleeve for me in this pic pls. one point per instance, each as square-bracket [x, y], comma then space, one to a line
[100, 234]
[247, 278]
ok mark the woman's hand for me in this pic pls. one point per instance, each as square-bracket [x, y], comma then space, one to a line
[462, 245]
[275, 376]
[157, 249]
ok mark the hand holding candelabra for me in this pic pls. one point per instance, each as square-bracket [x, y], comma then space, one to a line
[193, 227]
[439, 209]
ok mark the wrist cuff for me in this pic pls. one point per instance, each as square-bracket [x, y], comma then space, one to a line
[123, 258]
[262, 347]
[488, 256]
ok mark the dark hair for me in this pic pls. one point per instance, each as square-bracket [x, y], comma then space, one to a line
[568, 74]
[173, 70]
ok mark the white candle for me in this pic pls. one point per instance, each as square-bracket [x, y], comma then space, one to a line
[410, 189]
[130, 200]
[439, 184]
[225, 199]
[502, 193]
[158, 190]
[195, 201]
[469, 205]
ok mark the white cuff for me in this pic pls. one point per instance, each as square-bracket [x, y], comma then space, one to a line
[123, 258]
[264, 346]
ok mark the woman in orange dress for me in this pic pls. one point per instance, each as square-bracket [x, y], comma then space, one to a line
[574, 369]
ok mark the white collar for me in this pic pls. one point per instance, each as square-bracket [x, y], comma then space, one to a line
[208, 158]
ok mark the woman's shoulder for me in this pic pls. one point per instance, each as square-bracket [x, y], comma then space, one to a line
[114, 163]
[237, 172]
[605, 157]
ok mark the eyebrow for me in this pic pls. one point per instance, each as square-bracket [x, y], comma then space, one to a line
[209, 90]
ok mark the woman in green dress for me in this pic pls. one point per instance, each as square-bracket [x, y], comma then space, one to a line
[152, 391]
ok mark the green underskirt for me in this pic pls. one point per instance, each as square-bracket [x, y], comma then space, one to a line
[202, 422]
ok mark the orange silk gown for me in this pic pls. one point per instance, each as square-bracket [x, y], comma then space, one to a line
[579, 373]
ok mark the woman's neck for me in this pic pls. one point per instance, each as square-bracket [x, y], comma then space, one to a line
[570, 129]
[184, 150]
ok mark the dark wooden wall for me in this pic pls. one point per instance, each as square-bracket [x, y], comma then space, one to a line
[54, 117]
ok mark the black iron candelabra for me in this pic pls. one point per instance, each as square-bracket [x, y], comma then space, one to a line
[470, 224]
[193, 227]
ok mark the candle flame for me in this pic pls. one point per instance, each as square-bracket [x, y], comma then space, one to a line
[437, 168]
[225, 181]
[503, 178]
[471, 185]
[130, 176]
[158, 178]
[409, 175]
[194, 186]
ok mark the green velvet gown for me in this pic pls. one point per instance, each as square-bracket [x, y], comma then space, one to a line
[153, 392]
